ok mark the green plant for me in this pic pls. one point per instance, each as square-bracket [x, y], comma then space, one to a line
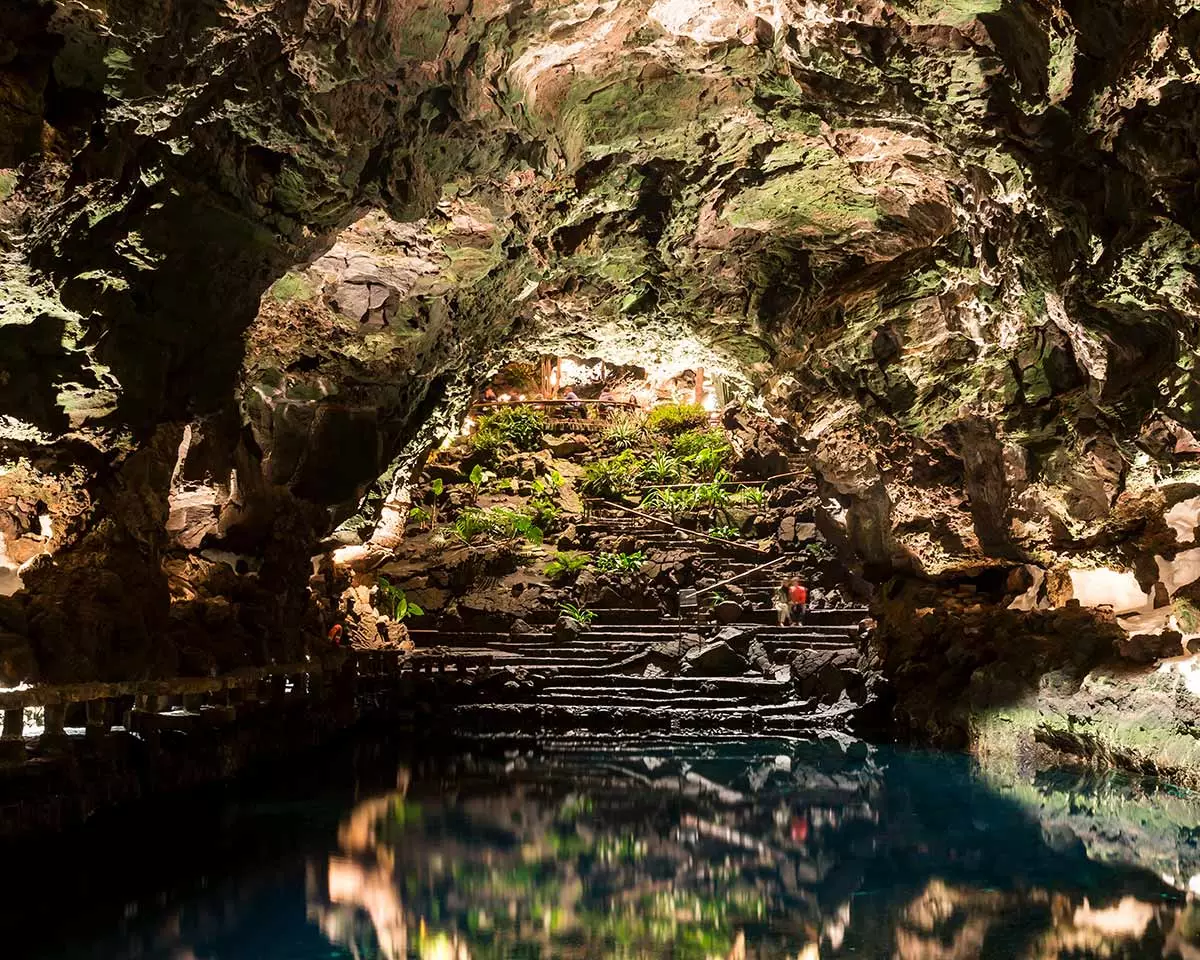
[1187, 614]
[419, 515]
[469, 524]
[519, 427]
[673, 502]
[725, 533]
[754, 495]
[580, 615]
[817, 549]
[391, 600]
[543, 504]
[674, 418]
[487, 443]
[477, 478]
[612, 477]
[620, 562]
[438, 486]
[706, 451]
[498, 523]
[624, 432]
[660, 468]
[566, 564]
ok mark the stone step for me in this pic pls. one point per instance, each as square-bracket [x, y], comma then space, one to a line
[630, 698]
[731, 686]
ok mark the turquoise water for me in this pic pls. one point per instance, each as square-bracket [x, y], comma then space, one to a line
[646, 849]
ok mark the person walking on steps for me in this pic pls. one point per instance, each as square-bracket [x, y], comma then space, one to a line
[798, 601]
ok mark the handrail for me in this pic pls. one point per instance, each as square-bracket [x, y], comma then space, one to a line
[693, 533]
[744, 573]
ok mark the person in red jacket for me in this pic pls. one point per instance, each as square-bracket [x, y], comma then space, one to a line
[798, 598]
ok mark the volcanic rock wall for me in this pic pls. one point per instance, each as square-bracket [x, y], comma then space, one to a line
[955, 242]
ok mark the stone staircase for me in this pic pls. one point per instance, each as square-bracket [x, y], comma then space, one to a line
[598, 681]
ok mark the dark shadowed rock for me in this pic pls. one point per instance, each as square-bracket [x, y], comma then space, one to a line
[1148, 647]
[716, 659]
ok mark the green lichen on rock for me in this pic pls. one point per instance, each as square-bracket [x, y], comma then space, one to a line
[292, 286]
[947, 12]
[824, 197]
[8, 183]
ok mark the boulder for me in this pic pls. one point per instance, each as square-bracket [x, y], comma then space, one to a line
[738, 638]
[519, 628]
[567, 630]
[787, 530]
[1148, 647]
[727, 611]
[716, 659]
[567, 445]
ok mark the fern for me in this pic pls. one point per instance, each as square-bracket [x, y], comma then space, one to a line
[580, 615]
[565, 565]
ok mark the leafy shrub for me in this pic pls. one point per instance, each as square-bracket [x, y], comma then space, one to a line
[543, 505]
[660, 468]
[754, 495]
[674, 502]
[691, 442]
[620, 562]
[519, 427]
[674, 418]
[418, 515]
[705, 451]
[503, 523]
[488, 443]
[566, 564]
[580, 615]
[611, 477]
[469, 525]
[392, 601]
[624, 432]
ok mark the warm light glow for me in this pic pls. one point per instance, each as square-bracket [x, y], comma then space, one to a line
[505, 397]
[709, 402]
[521, 397]
[348, 554]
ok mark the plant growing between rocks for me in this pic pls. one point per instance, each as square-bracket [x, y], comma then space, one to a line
[1187, 614]
[520, 428]
[661, 468]
[580, 615]
[611, 478]
[393, 603]
[620, 562]
[566, 565]
[625, 432]
[675, 418]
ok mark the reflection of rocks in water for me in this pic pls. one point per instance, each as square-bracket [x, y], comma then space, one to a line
[739, 851]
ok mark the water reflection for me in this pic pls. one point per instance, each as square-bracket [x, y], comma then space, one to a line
[721, 851]
[727, 852]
